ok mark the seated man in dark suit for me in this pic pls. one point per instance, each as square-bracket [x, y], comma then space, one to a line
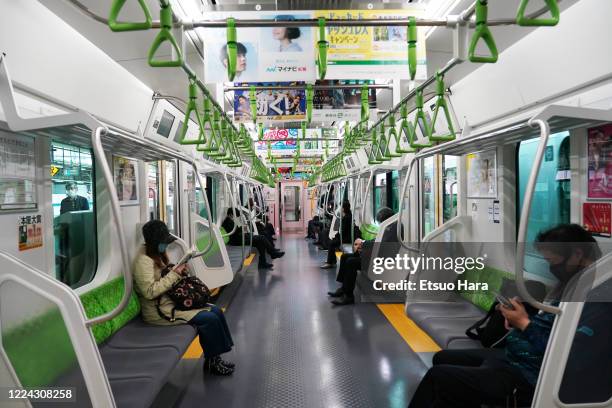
[260, 242]
[350, 264]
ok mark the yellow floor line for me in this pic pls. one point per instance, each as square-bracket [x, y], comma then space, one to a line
[249, 259]
[194, 351]
[412, 334]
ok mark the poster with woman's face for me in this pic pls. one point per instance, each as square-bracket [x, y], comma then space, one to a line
[600, 162]
[125, 175]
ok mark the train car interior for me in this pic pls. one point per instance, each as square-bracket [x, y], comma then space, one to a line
[285, 203]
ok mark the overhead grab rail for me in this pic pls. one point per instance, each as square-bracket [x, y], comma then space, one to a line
[303, 87]
[482, 32]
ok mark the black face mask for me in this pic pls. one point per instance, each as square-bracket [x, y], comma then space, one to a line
[560, 271]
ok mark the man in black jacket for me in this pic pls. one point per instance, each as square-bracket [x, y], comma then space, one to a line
[351, 263]
[260, 242]
[73, 201]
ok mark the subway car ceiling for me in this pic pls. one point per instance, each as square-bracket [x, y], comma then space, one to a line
[474, 125]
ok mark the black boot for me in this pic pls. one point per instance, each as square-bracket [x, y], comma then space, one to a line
[344, 300]
[277, 254]
[215, 367]
[228, 364]
[339, 292]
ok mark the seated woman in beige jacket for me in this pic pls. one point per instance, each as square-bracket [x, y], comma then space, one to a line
[151, 287]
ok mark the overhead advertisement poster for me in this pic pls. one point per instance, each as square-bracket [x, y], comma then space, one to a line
[284, 142]
[264, 53]
[372, 52]
[17, 172]
[272, 105]
[340, 104]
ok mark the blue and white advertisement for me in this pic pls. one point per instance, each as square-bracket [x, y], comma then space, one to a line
[272, 105]
[265, 53]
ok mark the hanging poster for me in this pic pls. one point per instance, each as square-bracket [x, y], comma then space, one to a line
[272, 105]
[372, 52]
[264, 53]
[482, 174]
[340, 104]
[125, 172]
[600, 162]
[285, 141]
[30, 232]
[17, 171]
[597, 218]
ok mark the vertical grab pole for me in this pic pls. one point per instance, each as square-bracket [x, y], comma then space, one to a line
[523, 223]
[208, 213]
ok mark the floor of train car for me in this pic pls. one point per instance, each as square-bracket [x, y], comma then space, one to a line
[295, 349]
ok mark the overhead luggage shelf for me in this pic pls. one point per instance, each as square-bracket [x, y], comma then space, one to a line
[115, 141]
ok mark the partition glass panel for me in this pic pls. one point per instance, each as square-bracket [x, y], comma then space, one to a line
[449, 184]
[37, 344]
[380, 193]
[212, 259]
[74, 214]
[395, 191]
[292, 203]
[170, 189]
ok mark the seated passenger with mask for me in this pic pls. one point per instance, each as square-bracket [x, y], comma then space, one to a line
[351, 263]
[470, 378]
[263, 244]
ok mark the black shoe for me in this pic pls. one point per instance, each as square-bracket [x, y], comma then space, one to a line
[344, 300]
[265, 265]
[316, 243]
[338, 293]
[215, 367]
[277, 254]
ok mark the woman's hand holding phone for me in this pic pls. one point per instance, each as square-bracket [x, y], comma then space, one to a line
[516, 317]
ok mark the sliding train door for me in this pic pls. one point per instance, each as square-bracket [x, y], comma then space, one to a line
[292, 205]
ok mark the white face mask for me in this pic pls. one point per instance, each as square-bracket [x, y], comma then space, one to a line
[71, 193]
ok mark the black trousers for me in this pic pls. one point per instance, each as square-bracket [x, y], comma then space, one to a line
[347, 273]
[263, 245]
[214, 334]
[313, 228]
[470, 378]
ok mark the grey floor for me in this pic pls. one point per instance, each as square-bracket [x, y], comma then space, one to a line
[295, 349]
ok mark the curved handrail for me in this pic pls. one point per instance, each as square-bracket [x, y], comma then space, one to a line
[523, 222]
[400, 239]
[96, 143]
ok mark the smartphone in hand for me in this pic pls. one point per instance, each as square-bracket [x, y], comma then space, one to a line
[504, 301]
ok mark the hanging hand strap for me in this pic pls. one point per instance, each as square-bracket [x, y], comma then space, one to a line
[420, 121]
[191, 107]
[323, 46]
[365, 104]
[309, 102]
[522, 20]
[482, 31]
[393, 134]
[128, 26]
[412, 51]
[260, 132]
[253, 102]
[441, 103]
[232, 48]
[165, 34]
[303, 130]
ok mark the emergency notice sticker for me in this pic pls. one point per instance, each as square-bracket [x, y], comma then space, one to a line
[30, 232]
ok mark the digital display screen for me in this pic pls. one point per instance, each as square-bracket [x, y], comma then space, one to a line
[165, 124]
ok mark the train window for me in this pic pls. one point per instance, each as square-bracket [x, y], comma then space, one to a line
[449, 198]
[170, 196]
[74, 214]
[212, 186]
[394, 191]
[153, 190]
[380, 193]
[429, 207]
[550, 205]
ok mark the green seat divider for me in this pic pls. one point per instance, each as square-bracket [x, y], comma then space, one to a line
[369, 231]
[493, 277]
[38, 366]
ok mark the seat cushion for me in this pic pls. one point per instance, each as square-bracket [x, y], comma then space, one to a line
[443, 330]
[421, 311]
[138, 334]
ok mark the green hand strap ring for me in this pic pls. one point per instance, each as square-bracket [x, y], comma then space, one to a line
[303, 130]
[309, 102]
[412, 51]
[260, 132]
[482, 31]
[191, 107]
[393, 134]
[253, 102]
[522, 20]
[232, 48]
[165, 34]
[323, 46]
[419, 121]
[442, 104]
[128, 26]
